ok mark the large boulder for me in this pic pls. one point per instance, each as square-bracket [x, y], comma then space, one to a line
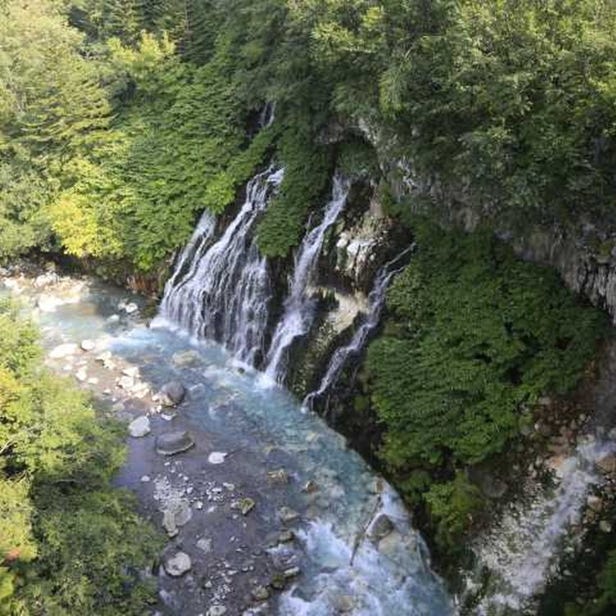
[172, 443]
[172, 394]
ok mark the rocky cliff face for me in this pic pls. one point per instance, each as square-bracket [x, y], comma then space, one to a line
[583, 252]
[363, 239]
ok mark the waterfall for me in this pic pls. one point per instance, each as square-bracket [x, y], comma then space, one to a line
[521, 552]
[299, 307]
[267, 115]
[225, 293]
[376, 302]
[190, 256]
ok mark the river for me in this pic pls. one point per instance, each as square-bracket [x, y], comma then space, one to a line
[274, 512]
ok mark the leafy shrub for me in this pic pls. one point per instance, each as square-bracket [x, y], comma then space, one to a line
[483, 334]
[452, 506]
[69, 542]
[307, 171]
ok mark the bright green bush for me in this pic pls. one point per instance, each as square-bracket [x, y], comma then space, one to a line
[307, 173]
[472, 336]
[120, 121]
[69, 542]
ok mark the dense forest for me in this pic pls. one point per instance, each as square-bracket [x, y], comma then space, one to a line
[121, 121]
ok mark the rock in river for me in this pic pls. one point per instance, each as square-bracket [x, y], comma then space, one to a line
[172, 393]
[217, 457]
[139, 427]
[63, 350]
[176, 513]
[287, 515]
[178, 564]
[381, 527]
[172, 443]
[87, 345]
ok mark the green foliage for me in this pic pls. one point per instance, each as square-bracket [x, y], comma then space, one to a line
[452, 506]
[357, 159]
[473, 335]
[513, 99]
[605, 601]
[483, 334]
[307, 172]
[121, 120]
[69, 542]
[174, 150]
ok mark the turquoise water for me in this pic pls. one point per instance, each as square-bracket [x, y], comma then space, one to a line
[262, 426]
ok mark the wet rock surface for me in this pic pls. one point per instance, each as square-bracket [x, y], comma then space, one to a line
[172, 443]
[139, 427]
[172, 393]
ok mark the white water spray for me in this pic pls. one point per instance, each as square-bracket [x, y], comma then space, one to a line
[299, 307]
[523, 550]
[226, 291]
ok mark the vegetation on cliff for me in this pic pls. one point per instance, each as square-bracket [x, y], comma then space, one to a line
[475, 338]
[120, 121]
[69, 542]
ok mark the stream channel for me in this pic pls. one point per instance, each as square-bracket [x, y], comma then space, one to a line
[274, 512]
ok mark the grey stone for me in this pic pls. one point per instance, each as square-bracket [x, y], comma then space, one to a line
[286, 536]
[126, 382]
[176, 513]
[139, 427]
[205, 545]
[607, 464]
[186, 358]
[131, 371]
[594, 502]
[131, 308]
[87, 345]
[172, 393]
[178, 564]
[345, 604]
[63, 350]
[217, 610]
[279, 476]
[310, 487]
[381, 527]
[261, 593]
[287, 515]
[172, 443]
[605, 526]
[217, 457]
[247, 505]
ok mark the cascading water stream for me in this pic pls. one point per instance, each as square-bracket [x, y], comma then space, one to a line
[522, 550]
[299, 307]
[189, 258]
[224, 295]
[343, 354]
